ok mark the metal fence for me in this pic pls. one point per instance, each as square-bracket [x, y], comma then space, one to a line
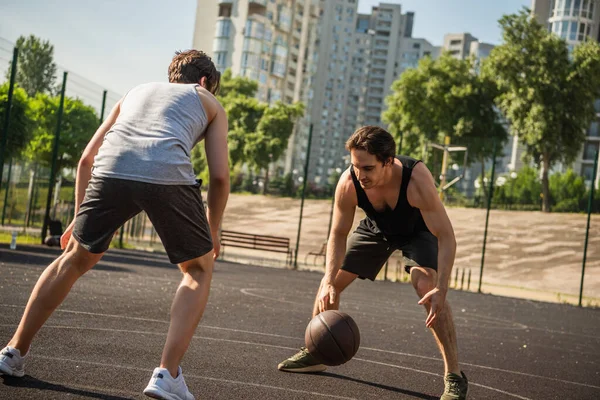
[523, 253]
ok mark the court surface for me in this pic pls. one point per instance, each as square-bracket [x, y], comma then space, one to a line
[106, 338]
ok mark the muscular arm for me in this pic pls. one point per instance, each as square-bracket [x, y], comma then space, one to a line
[423, 195]
[343, 217]
[217, 156]
[84, 168]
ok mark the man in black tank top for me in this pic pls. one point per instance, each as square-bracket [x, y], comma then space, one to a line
[404, 212]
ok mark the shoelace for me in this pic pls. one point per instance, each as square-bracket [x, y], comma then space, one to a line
[303, 352]
[453, 386]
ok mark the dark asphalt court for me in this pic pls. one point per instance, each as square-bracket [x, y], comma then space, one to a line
[106, 338]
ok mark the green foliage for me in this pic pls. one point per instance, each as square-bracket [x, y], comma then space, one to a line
[445, 97]
[269, 141]
[526, 187]
[79, 122]
[36, 70]
[258, 134]
[237, 86]
[546, 93]
[567, 191]
[21, 124]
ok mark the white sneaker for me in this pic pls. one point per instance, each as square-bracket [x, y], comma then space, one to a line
[163, 386]
[11, 362]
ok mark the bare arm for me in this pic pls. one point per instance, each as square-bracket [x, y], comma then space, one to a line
[343, 217]
[217, 156]
[86, 162]
[423, 195]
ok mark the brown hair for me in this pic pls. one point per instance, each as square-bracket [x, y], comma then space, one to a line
[192, 65]
[374, 140]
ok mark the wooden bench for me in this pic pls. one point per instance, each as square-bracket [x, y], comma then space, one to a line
[258, 242]
[321, 253]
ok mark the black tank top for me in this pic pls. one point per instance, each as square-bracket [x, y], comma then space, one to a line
[405, 219]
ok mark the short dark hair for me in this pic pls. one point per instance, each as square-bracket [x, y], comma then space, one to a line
[192, 65]
[374, 140]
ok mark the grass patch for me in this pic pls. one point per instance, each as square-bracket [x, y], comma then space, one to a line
[22, 238]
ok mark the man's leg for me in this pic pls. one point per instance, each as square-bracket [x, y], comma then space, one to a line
[424, 280]
[187, 309]
[51, 289]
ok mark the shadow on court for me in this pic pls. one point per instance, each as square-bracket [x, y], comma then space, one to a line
[29, 382]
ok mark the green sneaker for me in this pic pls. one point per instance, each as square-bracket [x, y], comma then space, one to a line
[457, 387]
[302, 361]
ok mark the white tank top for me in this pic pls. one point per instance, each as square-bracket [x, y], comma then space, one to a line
[152, 139]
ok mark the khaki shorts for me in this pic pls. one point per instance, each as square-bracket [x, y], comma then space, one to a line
[368, 250]
[176, 211]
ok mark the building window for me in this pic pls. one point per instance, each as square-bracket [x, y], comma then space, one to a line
[564, 29]
[589, 150]
[594, 131]
[223, 28]
[587, 171]
[221, 58]
[581, 35]
[455, 42]
[225, 10]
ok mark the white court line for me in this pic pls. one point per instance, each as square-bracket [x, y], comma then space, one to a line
[434, 374]
[482, 367]
[355, 358]
[482, 318]
[188, 376]
[284, 347]
[254, 344]
[157, 320]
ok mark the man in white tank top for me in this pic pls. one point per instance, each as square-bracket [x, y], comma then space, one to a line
[139, 160]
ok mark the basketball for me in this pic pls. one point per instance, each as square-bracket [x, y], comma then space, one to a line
[332, 337]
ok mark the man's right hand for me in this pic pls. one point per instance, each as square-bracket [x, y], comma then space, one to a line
[327, 296]
[64, 239]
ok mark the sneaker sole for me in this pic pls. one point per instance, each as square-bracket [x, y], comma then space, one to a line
[6, 370]
[157, 393]
[312, 368]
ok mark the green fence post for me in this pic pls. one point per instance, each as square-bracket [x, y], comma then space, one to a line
[304, 182]
[52, 179]
[587, 229]
[487, 215]
[11, 88]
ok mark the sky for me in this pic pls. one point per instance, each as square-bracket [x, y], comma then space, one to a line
[117, 44]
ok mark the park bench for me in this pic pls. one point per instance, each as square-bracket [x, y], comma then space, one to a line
[257, 242]
[321, 253]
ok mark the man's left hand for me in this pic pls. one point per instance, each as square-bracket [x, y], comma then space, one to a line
[436, 299]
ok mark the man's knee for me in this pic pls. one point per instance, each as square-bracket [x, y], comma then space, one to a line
[77, 259]
[199, 265]
[423, 280]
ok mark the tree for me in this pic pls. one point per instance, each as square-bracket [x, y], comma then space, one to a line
[445, 97]
[238, 86]
[258, 134]
[567, 191]
[270, 138]
[21, 124]
[546, 93]
[79, 122]
[36, 70]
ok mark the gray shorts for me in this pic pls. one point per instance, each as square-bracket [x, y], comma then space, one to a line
[176, 211]
[368, 250]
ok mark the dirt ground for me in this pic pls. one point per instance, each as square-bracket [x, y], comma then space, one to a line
[529, 254]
